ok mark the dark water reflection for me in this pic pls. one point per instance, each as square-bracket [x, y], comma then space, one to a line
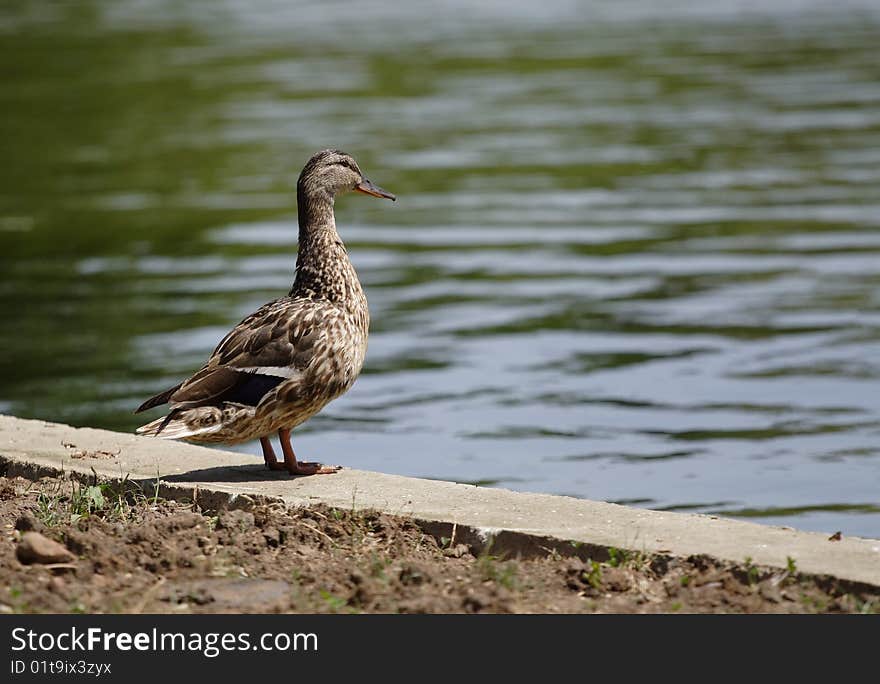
[634, 258]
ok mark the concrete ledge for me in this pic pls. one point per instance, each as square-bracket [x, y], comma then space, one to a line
[513, 521]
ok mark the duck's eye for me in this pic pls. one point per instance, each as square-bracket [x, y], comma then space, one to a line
[347, 164]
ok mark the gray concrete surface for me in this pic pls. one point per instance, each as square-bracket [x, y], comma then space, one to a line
[514, 521]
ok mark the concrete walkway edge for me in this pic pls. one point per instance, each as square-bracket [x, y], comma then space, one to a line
[512, 522]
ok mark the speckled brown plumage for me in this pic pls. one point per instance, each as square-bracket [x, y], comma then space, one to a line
[287, 360]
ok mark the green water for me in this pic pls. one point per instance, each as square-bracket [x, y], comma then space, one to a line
[634, 258]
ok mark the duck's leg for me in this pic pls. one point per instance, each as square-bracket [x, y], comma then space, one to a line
[296, 468]
[269, 455]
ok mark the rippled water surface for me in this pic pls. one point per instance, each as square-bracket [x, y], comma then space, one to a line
[634, 258]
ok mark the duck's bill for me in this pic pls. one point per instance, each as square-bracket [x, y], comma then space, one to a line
[368, 188]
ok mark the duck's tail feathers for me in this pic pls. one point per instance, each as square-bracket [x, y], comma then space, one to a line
[161, 398]
[178, 425]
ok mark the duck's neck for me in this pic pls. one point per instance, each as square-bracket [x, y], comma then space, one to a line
[323, 269]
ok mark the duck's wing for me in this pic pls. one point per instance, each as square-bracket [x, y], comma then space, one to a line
[272, 345]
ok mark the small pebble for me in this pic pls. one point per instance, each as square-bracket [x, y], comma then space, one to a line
[35, 548]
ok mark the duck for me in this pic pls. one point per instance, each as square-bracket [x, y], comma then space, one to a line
[287, 360]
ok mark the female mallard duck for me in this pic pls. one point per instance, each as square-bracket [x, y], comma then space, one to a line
[287, 360]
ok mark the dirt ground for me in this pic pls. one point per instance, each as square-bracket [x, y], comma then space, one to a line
[133, 552]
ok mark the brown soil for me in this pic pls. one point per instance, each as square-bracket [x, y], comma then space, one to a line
[137, 554]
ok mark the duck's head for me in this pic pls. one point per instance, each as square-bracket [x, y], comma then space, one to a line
[332, 172]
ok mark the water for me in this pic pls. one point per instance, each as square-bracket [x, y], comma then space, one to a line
[635, 255]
